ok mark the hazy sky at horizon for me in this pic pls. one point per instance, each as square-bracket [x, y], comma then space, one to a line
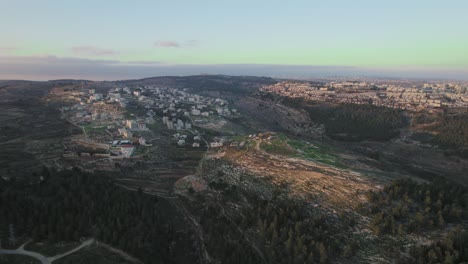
[394, 35]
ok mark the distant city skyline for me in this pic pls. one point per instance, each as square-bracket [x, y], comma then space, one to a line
[102, 40]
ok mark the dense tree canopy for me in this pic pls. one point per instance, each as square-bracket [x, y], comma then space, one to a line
[275, 231]
[448, 129]
[405, 206]
[69, 205]
[353, 122]
[453, 248]
[452, 131]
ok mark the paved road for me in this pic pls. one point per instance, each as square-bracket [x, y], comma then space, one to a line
[84, 244]
[43, 259]
[20, 251]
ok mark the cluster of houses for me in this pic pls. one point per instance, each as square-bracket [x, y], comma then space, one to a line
[427, 97]
[180, 109]
[108, 110]
[176, 123]
[132, 125]
[176, 107]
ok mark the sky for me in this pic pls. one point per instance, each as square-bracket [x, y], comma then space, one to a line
[120, 39]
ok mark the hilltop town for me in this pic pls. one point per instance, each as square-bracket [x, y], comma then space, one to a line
[413, 97]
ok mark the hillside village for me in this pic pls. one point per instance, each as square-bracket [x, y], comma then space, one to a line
[118, 121]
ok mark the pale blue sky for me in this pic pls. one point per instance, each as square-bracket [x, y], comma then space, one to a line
[361, 33]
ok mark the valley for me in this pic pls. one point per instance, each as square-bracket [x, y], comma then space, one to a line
[228, 173]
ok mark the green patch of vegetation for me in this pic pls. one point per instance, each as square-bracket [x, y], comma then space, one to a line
[249, 144]
[318, 152]
[278, 145]
[283, 145]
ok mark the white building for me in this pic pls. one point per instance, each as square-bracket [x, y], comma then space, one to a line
[216, 144]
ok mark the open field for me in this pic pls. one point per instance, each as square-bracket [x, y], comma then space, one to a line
[280, 144]
[31, 135]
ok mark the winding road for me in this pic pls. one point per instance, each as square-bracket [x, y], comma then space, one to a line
[43, 259]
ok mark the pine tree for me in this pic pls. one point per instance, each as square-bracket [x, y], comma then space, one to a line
[323, 253]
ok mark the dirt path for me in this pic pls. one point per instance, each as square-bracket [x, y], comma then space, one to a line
[252, 243]
[198, 230]
[83, 244]
[20, 251]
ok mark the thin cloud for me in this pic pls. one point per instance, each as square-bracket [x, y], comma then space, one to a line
[93, 51]
[52, 60]
[167, 44]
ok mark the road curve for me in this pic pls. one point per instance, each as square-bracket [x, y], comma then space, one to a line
[43, 259]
